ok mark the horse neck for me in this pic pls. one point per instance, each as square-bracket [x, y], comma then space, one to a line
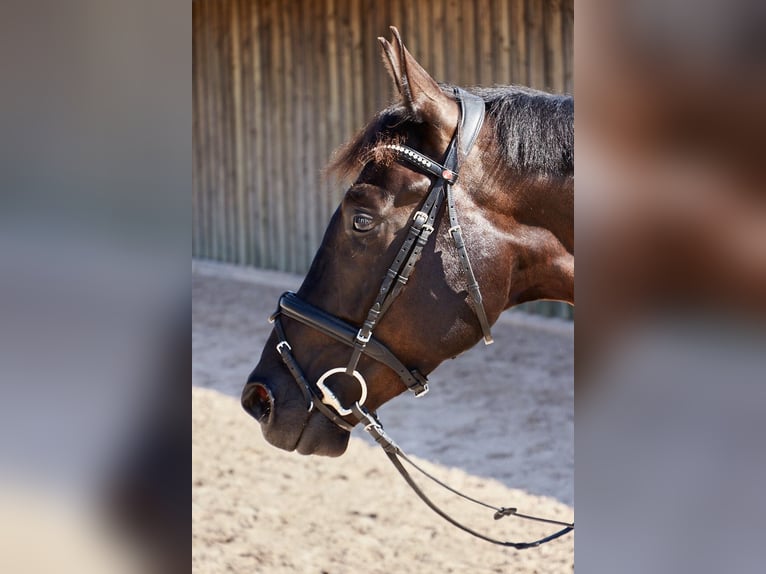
[538, 227]
[548, 203]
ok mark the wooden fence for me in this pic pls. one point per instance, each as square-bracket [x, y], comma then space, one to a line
[279, 84]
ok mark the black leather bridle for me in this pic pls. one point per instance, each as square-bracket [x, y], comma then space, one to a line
[361, 340]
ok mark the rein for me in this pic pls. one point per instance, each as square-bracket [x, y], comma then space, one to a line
[321, 397]
[361, 339]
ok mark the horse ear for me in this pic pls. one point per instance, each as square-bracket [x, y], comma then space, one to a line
[419, 91]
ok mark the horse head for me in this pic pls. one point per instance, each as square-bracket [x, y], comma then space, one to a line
[512, 189]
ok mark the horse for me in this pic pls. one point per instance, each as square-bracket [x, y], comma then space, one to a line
[396, 259]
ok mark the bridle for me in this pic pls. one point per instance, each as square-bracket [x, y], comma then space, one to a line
[361, 340]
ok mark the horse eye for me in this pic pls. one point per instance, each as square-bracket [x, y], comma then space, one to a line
[363, 222]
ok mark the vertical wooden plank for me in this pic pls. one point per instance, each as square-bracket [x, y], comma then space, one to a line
[380, 85]
[342, 128]
[195, 139]
[205, 127]
[249, 98]
[466, 44]
[344, 71]
[453, 26]
[321, 106]
[384, 89]
[298, 145]
[268, 190]
[357, 64]
[310, 119]
[568, 45]
[501, 61]
[424, 14]
[346, 124]
[536, 44]
[224, 99]
[554, 52]
[410, 29]
[438, 41]
[267, 114]
[320, 109]
[413, 27]
[216, 191]
[393, 19]
[229, 155]
[246, 35]
[206, 130]
[232, 77]
[196, 144]
[259, 212]
[518, 23]
[487, 37]
[240, 203]
[308, 172]
[334, 103]
[222, 189]
[287, 137]
[277, 141]
[372, 30]
[399, 18]
[282, 141]
[244, 170]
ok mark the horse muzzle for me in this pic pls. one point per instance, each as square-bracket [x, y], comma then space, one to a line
[285, 421]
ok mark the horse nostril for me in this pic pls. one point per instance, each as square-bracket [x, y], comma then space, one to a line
[258, 401]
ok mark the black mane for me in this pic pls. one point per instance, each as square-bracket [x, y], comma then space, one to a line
[534, 132]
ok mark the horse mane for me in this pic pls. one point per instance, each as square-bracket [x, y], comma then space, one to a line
[534, 133]
[534, 130]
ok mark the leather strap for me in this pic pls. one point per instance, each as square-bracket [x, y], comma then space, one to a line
[310, 392]
[500, 512]
[290, 305]
[471, 119]
[373, 426]
[423, 162]
[473, 285]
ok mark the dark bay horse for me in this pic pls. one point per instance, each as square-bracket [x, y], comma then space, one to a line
[514, 151]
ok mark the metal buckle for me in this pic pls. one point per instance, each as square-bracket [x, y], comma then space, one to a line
[420, 218]
[329, 398]
[283, 344]
[362, 339]
[421, 392]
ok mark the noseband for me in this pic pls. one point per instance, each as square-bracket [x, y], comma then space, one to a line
[361, 339]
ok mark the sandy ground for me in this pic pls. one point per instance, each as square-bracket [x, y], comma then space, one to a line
[497, 422]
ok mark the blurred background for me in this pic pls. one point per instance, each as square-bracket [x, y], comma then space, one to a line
[94, 286]
[670, 212]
